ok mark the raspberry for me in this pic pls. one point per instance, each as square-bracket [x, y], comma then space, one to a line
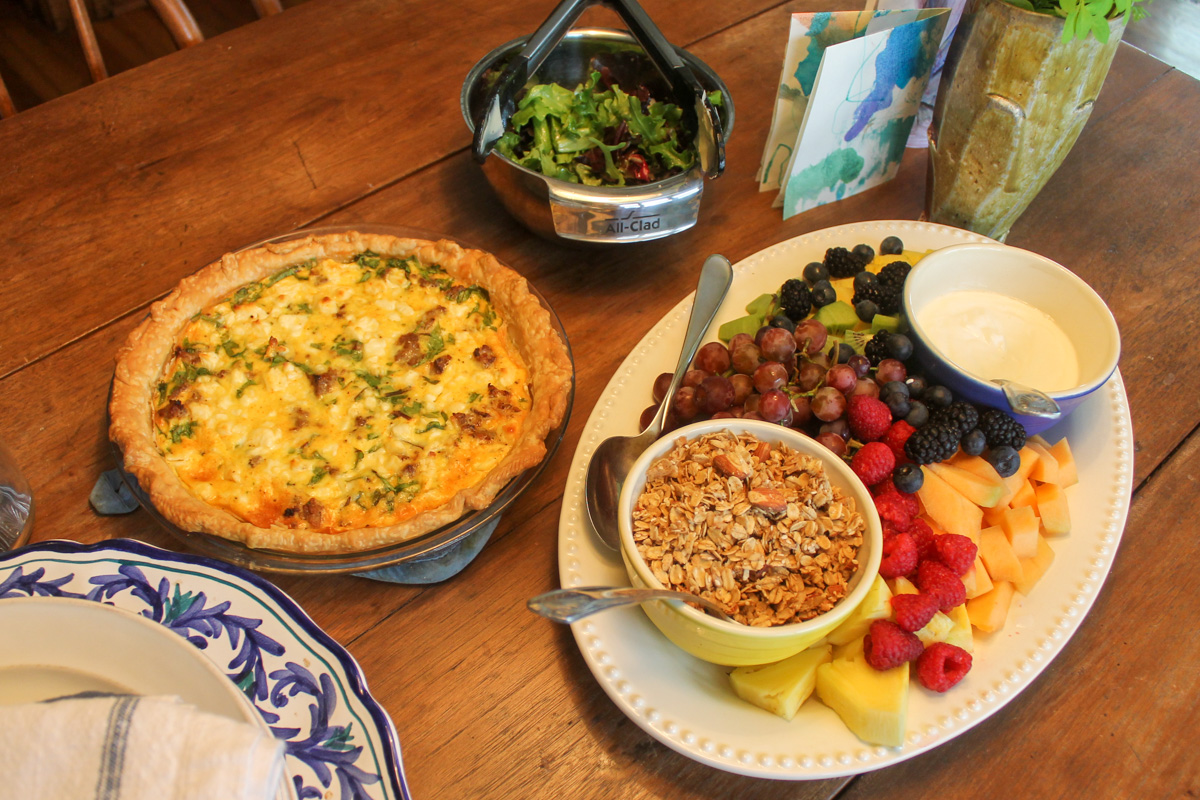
[888, 486]
[887, 645]
[942, 666]
[938, 580]
[896, 436]
[873, 462]
[924, 536]
[955, 551]
[899, 556]
[869, 417]
[893, 510]
[913, 611]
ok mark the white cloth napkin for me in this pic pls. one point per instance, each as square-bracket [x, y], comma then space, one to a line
[125, 747]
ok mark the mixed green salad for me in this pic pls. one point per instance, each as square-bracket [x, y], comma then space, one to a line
[597, 135]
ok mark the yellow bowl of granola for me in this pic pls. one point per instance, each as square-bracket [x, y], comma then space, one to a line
[760, 518]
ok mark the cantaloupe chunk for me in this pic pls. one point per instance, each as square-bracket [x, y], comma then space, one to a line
[1068, 473]
[1028, 462]
[947, 506]
[1046, 468]
[983, 468]
[1053, 509]
[993, 516]
[1020, 525]
[977, 581]
[989, 611]
[983, 492]
[1033, 569]
[998, 556]
[1025, 496]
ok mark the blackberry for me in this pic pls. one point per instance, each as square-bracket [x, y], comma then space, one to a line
[795, 299]
[1001, 430]
[876, 349]
[874, 292]
[893, 275]
[959, 415]
[932, 443]
[841, 263]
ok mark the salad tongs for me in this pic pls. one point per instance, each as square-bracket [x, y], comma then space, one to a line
[688, 93]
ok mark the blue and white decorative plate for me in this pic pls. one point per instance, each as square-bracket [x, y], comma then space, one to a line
[341, 744]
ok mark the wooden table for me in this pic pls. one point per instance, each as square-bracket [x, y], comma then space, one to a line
[342, 111]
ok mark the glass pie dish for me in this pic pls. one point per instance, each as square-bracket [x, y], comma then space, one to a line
[461, 538]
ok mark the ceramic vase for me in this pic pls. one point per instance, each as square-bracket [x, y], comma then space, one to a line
[1013, 100]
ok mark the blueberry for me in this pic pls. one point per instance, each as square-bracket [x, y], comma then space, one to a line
[937, 396]
[918, 413]
[844, 351]
[916, 386]
[815, 271]
[974, 443]
[866, 310]
[782, 321]
[1005, 459]
[865, 252]
[908, 478]
[899, 346]
[891, 246]
[823, 295]
[865, 280]
[898, 404]
[892, 387]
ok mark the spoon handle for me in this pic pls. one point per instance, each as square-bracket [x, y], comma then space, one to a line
[571, 605]
[716, 276]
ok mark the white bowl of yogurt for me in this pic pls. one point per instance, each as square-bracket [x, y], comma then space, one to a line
[985, 312]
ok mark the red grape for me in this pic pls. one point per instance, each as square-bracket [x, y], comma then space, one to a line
[842, 378]
[751, 404]
[809, 376]
[743, 387]
[890, 370]
[713, 357]
[751, 415]
[738, 340]
[718, 394]
[693, 378]
[828, 404]
[778, 345]
[838, 426]
[746, 358]
[860, 364]
[801, 410]
[647, 416]
[774, 405]
[722, 415]
[661, 383]
[834, 442]
[686, 403]
[770, 375]
[810, 336]
[866, 386]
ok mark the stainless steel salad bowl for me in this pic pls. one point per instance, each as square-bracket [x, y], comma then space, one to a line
[564, 211]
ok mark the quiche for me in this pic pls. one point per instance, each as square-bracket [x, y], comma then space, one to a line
[338, 393]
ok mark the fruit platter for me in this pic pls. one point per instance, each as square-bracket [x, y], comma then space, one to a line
[995, 542]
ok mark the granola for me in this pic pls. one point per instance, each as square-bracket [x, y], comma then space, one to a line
[754, 526]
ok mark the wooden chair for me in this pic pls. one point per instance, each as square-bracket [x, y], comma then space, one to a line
[174, 14]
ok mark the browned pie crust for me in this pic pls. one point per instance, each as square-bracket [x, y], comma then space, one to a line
[141, 360]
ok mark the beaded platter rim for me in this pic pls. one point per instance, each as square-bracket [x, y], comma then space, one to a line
[340, 742]
[687, 704]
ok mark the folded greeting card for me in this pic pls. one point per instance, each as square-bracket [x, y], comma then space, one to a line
[848, 95]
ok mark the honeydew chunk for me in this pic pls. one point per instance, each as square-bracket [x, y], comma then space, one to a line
[947, 507]
[989, 611]
[1020, 525]
[782, 687]
[1028, 462]
[874, 606]
[1025, 496]
[961, 634]
[1068, 473]
[980, 491]
[1034, 568]
[998, 557]
[872, 703]
[1053, 508]
[977, 581]
[983, 468]
[1046, 468]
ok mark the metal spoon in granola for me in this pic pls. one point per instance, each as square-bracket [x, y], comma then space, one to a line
[614, 457]
[570, 605]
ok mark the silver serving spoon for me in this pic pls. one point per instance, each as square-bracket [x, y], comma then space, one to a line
[570, 605]
[1028, 401]
[614, 457]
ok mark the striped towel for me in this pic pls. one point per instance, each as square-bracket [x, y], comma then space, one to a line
[122, 747]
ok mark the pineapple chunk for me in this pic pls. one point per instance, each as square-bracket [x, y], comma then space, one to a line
[998, 556]
[1021, 527]
[1032, 569]
[872, 704]
[936, 630]
[781, 687]
[988, 611]
[961, 634]
[874, 606]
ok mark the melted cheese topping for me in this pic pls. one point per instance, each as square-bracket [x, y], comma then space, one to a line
[333, 396]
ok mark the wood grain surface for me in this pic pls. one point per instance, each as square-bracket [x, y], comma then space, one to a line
[346, 112]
